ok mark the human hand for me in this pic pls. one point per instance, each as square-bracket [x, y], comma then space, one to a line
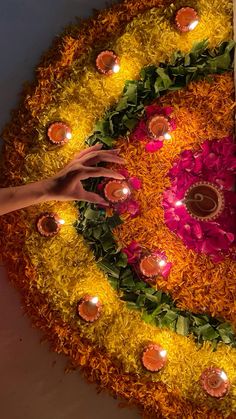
[66, 185]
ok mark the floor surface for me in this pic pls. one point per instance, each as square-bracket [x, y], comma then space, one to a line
[32, 380]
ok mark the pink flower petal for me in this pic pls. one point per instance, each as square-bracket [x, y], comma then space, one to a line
[153, 146]
[140, 132]
[152, 110]
[166, 270]
[124, 172]
[217, 258]
[133, 208]
[135, 183]
[197, 230]
[230, 237]
[167, 110]
[173, 124]
[133, 252]
[121, 208]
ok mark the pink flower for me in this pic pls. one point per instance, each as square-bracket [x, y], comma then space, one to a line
[197, 230]
[131, 207]
[214, 162]
[166, 269]
[189, 165]
[173, 124]
[133, 252]
[167, 110]
[216, 240]
[219, 161]
[140, 132]
[124, 172]
[172, 220]
[155, 109]
[135, 183]
[223, 179]
[153, 146]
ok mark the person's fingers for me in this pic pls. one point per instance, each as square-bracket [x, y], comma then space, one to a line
[79, 156]
[101, 154]
[89, 153]
[89, 150]
[86, 151]
[97, 158]
[93, 198]
[99, 172]
[107, 158]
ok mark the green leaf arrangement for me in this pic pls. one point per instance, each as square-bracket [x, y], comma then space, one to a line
[155, 81]
[157, 307]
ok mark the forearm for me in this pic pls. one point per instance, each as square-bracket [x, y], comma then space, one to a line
[18, 197]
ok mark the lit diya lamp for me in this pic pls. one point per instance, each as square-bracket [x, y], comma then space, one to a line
[204, 201]
[89, 308]
[159, 127]
[59, 133]
[107, 63]
[117, 191]
[154, 357]
[49, 224]
[151, 266]
[186, 19]
[215, 382]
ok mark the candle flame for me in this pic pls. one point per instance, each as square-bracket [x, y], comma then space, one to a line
[162, 263]
[94, 300]
[163, 353]
[125, 191]
[167, 136]
[223, 376]
[116, 68]
[193, 25]
[61, 222]
[69, 135]
[178, 203]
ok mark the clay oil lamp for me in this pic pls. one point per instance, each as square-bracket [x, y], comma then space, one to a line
[154, 357]
[89, 308]
[151, 266]
[107, 63]
[159, 127]
[59, 133]
[49, 224]
[204, 201]
[186, 19]
[215, 382]
[117, 191]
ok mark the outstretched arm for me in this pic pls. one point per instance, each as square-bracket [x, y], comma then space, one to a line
[65, 185]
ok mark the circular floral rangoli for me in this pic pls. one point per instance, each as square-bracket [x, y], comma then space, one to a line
[139, 295]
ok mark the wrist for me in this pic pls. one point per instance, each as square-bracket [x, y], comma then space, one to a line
[43, 190]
